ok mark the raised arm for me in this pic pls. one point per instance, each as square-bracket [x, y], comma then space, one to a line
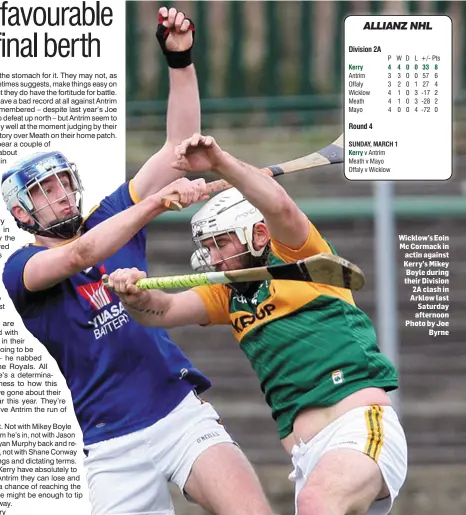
[175, 36]
[285, 221]
[51, 266]
[156, 308]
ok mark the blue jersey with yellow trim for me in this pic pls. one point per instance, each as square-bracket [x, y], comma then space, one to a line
[122, 376]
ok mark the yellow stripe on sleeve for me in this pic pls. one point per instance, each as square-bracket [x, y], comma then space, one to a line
[132, 193]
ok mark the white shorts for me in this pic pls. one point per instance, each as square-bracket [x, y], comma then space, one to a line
[130, 474]
[382, 438]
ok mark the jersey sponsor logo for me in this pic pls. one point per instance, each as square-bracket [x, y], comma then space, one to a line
[96, 293]
[109, 320]
[243, 321]
[98, 296]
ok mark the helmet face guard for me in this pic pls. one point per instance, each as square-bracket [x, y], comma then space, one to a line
[29, 173]
[228, 213]
[201, 259]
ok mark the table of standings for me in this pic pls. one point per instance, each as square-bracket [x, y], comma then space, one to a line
[398, 98]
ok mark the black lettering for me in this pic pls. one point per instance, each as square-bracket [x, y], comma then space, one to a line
[268, 308]
[247, 320]
[236, 326]
[261, 314]
[243, 321]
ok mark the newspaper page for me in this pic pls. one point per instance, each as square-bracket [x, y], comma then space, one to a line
[62, 88]
[279, 82]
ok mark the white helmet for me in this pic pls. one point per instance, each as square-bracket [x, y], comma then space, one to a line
[227, 212]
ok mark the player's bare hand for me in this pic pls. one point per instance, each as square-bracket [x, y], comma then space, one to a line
[178, 33]
[123, 282]
[187, 192]
[198, 154]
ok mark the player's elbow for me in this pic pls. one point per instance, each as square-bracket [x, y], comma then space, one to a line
[82, 254]
[169, 146]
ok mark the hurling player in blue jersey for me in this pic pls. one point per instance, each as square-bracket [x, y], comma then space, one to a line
[133, 390]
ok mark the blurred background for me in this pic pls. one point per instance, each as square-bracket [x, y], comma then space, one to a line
[270, 81]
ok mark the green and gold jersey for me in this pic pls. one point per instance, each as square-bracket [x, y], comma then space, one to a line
[309, 344]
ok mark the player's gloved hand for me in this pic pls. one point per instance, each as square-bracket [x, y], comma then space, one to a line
[185, 191]
[122, 282]
[175, 34]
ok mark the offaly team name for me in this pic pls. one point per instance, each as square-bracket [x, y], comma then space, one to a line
[109, 320]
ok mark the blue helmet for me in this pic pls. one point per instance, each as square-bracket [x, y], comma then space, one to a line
[31, 171]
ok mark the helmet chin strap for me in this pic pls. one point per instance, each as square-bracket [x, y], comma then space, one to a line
[64, 229]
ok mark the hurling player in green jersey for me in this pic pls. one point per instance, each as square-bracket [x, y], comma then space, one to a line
[314, 351]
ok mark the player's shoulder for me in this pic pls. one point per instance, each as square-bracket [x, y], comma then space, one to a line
[14, 267]
[214, 294]
[117, 201]
[15, 264]
[24, 253]
[213, 289]
[314, 244]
